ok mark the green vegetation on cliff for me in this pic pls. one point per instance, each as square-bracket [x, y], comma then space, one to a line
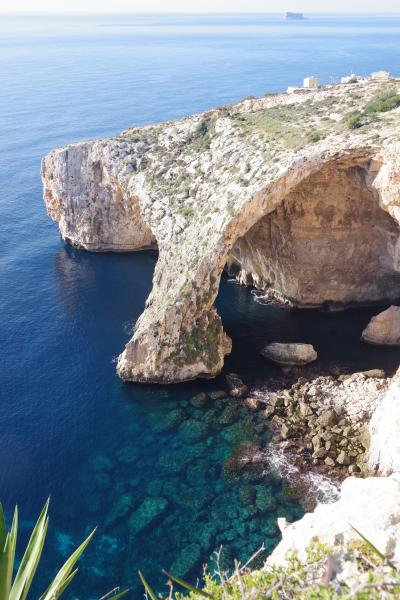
[372, 578]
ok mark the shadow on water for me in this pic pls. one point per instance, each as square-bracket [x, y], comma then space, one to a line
[158, 473]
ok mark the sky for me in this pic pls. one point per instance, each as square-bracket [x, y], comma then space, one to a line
[114, 6]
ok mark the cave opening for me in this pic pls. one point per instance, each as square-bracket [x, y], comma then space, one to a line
[328, 243]
[328, 246]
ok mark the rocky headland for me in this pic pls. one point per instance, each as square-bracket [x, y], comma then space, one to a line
[297, 195]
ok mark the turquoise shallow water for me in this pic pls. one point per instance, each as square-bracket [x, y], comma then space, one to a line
[140, 461]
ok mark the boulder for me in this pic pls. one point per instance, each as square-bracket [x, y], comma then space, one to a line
[289, 354]
[384, 329]
[236, 387]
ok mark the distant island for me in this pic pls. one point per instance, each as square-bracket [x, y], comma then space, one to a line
[294, 16]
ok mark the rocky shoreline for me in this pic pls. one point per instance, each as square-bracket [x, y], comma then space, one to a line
[324, 421]
[318, 423]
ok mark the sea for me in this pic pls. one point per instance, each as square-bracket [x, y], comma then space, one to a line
[154, 470]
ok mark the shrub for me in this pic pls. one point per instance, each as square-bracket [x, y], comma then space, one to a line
[313, 137]
[353, 119]
[383, 102]
[187, 211]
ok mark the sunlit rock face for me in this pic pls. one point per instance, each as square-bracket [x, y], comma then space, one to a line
[82, 192]
[384, 428]
[328, 242]
[314, 221]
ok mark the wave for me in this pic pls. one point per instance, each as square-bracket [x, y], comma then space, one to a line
[314, 487]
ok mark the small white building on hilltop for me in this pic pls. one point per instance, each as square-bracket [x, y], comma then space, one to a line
[311, 83]
[380, 76]
[350, 79]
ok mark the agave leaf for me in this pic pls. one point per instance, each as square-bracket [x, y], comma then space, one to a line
[147, 587]
[30, 560]
[67, 581]
[3, 530]
[187, 586]
[57, 586]
[7, 557]
[119, 595]
[374, 548]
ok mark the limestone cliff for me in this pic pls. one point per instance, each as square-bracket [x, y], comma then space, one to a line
[371, 506]
[279, 188]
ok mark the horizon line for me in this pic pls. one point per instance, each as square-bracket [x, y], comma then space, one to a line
[180, 12]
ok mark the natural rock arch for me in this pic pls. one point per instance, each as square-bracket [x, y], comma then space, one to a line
[205, 189]
[184, 338]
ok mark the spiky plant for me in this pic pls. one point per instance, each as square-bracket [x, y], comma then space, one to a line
[17, 587]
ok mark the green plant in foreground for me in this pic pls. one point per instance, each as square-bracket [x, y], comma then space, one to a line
[17, 587]
[308, 579]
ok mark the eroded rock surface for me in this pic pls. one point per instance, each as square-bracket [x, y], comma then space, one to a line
[289, 354]
[384, 329]
[245, 185]
[384, 428]
[324, 422]
[370, 505]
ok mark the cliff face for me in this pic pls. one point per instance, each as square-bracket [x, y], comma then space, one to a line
[311, 217]
[83, 193]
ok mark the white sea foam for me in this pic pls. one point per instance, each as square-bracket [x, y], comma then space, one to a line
[318, 487]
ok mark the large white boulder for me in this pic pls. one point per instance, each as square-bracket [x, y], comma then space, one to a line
[384, 329]
[370, 505]
[289, 354]
[384, 430]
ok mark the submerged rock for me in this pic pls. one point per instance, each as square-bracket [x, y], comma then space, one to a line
[229, 414]
[384, 329]
[217, 395]
[193, 429]
[199, 401]
[148, 511]
[186, 560]
[164, 422]
[265, 501]
[120, 508]
[101, 462]
[289, 354]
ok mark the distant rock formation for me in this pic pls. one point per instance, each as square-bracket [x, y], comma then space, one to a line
[279, 188]
[294, 16]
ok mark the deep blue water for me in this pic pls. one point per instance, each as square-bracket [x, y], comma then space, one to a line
[68, 426]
